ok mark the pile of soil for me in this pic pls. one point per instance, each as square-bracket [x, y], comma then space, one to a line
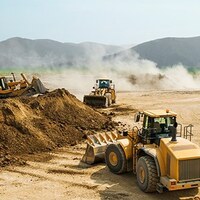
[33, 124]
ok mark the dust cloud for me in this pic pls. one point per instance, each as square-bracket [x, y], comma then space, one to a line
[129, 73]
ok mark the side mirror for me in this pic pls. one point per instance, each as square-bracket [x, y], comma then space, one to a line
[137, 117]
[96, 81]
[110, 81]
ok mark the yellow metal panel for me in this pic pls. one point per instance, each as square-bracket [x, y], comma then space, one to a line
[173, 171]
[174, 168]
[161, 162]
[178, 186]
[113, 95]
[182, 148]
[127, 146]
[160, 113]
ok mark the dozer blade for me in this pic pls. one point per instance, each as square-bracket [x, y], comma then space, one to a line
[96, 101]
[38, 86]
[96, 146]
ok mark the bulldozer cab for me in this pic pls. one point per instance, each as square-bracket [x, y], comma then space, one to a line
[156, 125]
[4, 82]
[9, 82]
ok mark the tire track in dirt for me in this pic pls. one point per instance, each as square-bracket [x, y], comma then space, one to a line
[60, 175]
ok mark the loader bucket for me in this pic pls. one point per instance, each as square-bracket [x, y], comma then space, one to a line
[96, 147]
[96, 101]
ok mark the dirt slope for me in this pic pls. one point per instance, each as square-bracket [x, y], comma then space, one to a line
[31, 124]
[60, 174]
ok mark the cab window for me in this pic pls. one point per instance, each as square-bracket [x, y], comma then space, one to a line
[104, 84]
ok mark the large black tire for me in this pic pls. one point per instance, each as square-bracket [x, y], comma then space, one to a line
[115, 159]
[147, 176]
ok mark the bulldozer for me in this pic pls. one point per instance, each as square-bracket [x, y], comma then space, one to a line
[103, 94]
[10, 87]
[158, 150]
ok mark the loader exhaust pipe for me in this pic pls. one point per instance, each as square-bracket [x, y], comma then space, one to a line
[173, 130]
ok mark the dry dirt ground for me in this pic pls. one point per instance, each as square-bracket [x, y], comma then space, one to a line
[60, 175]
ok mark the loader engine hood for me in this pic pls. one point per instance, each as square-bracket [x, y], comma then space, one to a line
[182, 159]
[182, 148]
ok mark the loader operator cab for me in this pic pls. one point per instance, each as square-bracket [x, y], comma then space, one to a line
[103, 83]
[156, 125]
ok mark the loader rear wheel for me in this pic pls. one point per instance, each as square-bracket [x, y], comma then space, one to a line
[147, 176]
[115, 159]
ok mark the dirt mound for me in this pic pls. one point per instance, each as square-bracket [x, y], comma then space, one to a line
[32, 124]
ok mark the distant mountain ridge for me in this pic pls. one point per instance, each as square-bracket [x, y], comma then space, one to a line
[167, 51]
[49, 53]
[21, 52]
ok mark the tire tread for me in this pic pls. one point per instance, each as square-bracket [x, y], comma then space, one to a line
[123, 167]
[153, 178]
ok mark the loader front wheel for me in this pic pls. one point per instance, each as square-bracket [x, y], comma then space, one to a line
[147, 176]
[115, 159]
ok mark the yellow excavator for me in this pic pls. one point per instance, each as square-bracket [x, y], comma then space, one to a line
[10, 87]
[103, 94]
[157, 151]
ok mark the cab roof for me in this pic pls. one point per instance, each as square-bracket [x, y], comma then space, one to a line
[104, 79]
[6, 77]
[160, 113]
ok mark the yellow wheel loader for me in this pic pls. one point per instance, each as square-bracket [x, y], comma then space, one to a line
[158, 155]
[103, 94]
[10, 87]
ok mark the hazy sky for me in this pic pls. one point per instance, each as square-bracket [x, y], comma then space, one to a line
[103, 21]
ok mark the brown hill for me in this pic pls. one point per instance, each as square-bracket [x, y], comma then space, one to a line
[32, 124]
